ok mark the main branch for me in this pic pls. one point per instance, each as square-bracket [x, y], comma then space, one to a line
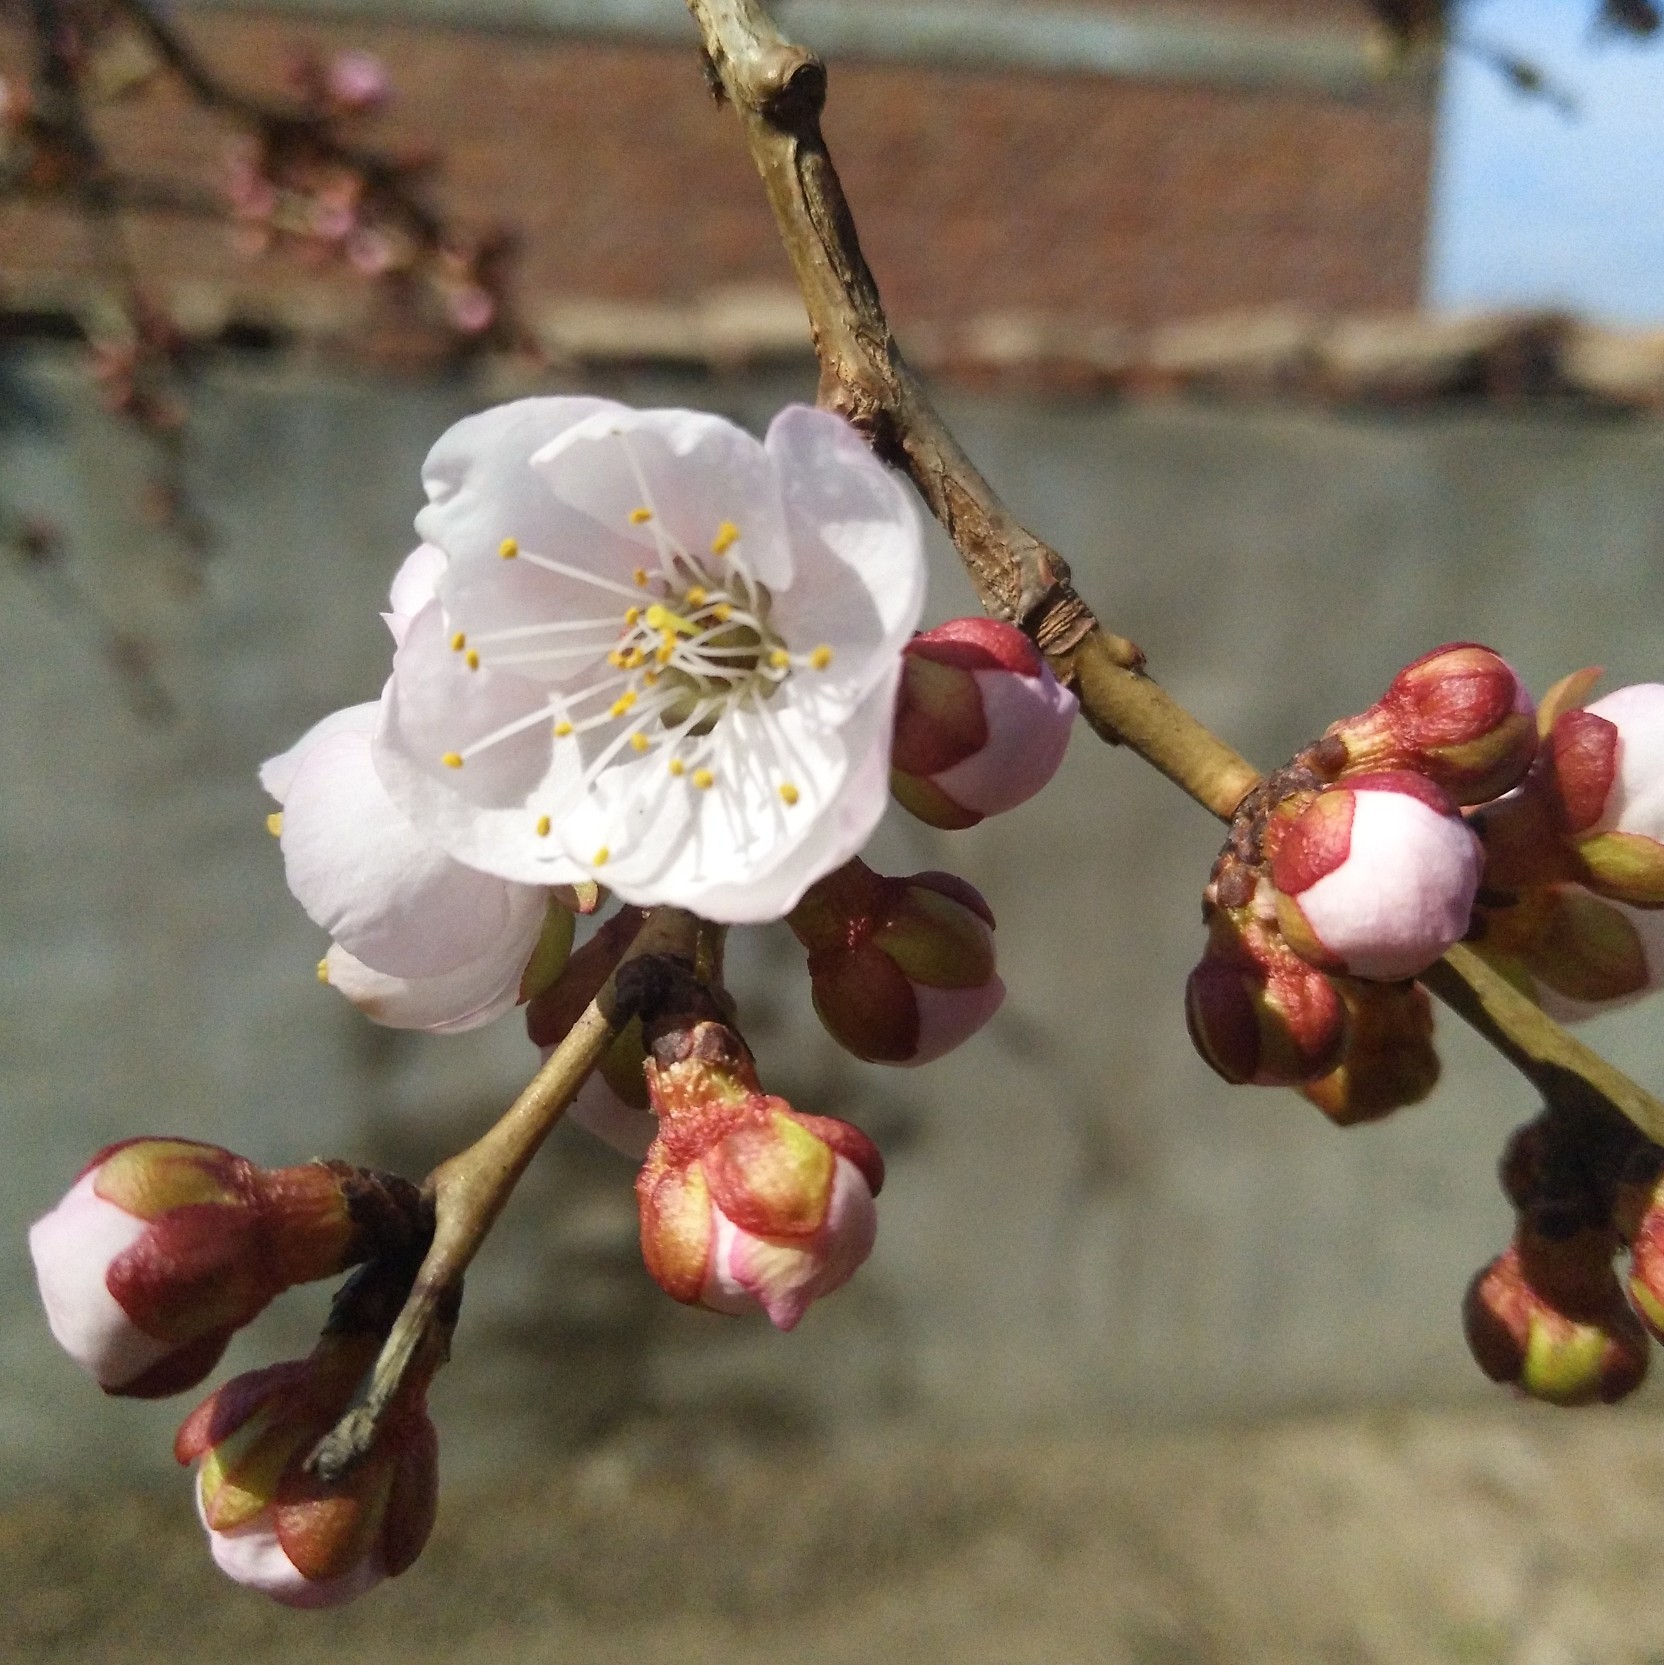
[778, 89]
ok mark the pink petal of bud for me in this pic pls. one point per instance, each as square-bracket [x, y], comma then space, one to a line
[1636, 802]
[253, 1555]
[982, 723]
[358, 80]
[784, 1275]
[1377, 877]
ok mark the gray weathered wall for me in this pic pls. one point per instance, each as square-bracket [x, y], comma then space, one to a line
[1081, 1222]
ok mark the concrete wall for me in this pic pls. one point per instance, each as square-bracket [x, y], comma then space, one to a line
[1081, 1224]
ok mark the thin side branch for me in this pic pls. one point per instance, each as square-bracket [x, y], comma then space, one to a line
[778, 89]
[470, 1189]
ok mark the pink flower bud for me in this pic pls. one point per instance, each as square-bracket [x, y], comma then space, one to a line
[1459, 715]
[278, 1529]
[981, 722]
[1646, 1257]
[1258, 1013]
[164, 1247]
[1549, 1317]
[1389, 1061]
[1608, 783]
[901, 970]
[1376, 876]
[357, 81]
[747, 1203]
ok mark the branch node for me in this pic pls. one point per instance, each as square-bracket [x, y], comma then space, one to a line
[790, 86]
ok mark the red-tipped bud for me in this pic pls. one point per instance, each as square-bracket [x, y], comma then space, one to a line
[981, 722]
[1641, 1208]
[901, 970]
[1376, 876]
[745, 1202]
[1549, 1317]
[1389, 1061]
[278, 1529]
[164, 1247]
[1458, 715]
[1258, 1013]
[1607, 780]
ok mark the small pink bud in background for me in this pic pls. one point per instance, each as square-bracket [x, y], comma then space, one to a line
[1376, 877]
[357, 81]
[745, 1202]
[1459, 715]
[981, 722]
[1258, 1013]
[281, 1531]
[1388, 1063]
[901, 970]
[1549, 1317]
[1608, 783]
[163, 1248]
[471, 308]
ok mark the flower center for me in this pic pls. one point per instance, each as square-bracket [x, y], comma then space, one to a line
[681, 649]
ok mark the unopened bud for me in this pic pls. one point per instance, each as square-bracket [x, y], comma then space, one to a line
[901, 970]
[745, 1202]
[1608, 783]
[1550, 1317]
[163, 1248]
[1376, 876]
[357, 81]
[1260, 1014]
[981, 722]
[1575, 953]
[1388, 1062]
[278, 1529]
[1459, 715]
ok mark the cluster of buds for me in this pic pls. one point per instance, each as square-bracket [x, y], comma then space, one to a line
[1573, 909]
[163, 1249]
[1348, 873]
[1551, 1315]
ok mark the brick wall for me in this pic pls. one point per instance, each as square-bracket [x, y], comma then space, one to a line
[1081, 196]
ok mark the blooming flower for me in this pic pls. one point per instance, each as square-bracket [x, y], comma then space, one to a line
[981, 722]
[420, 940]
[745, 1202]
[902, 970]
[163, 1248]
[663, 656]
[277, 1529]
[1376, 876]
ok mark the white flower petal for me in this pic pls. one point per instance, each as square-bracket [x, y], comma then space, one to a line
[1637, 803]
[73, 1248]
[948, 1017]
[450, 1004]
[487, 812]
[252, 1555]
[414, 585]
[699, 472]
[480, 489]
[599, 1110]
[277, 772]
[1030, 719]
[386, 894]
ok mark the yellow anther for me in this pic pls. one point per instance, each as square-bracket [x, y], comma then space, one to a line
[601, 857]
[452, 760]
[616, 659]
[562, 729]
[632, 615]
[471, 659]
[508, 548]
[788, 793]
[622, 703]
[543, 825]
[704, 779]
[459, 641]
[722, 612]
[640, 517]
[696, 597]
[677, 766]
[639, 578]
[639, 741]
[632, 658]
[650, 677]
[274, 823]
[779, 659]
[821, 657]
[666, 651]
[727, 535]
[323, 971]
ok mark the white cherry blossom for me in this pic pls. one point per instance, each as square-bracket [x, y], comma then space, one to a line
[663, 655]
